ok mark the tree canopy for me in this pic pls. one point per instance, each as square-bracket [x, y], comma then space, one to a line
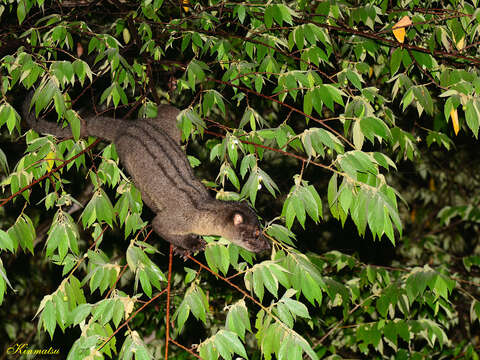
[350, 126]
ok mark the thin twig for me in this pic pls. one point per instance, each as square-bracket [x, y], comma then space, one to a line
[190, 351]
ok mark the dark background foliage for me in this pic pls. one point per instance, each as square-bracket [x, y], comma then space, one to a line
[256, 80]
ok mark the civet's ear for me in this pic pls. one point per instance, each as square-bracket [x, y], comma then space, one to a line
[237, 219]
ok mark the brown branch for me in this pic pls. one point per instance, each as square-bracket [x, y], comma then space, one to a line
[190, 351]
[395, 43]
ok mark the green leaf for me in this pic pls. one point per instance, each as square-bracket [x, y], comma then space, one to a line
[297, 308]
[374, 127]
[196, 300]
[284, 314]
[268, 16]
[3, 161]
[281, 233]
[355, 78]
[21, 11]
[312, 202]
[49, 317]
[8, 116]
[251, 186]
[44, 95]
[330, 94]
[259, 81]
[232, 149]
[195, 73]
[3, 281]
[422, 95]
[407, 98]
[258, 286]
[181, 315]
[269, 280]
[241, 13]
[207, 350]
[309, 34]
[299, 37]
[238, 320]
[299, 209]
[396, 60]
[217, 257]
[472, 115]
[376, 216]
[80, 313]
[144, 281]
[417, 283]
[346, 196]
[103, 207]
[23, 233]
[286, 13]
[425, 60]
[228, 343]
[369, 334]
[6, 243]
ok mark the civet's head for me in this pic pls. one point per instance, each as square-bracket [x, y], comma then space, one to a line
[243, 228]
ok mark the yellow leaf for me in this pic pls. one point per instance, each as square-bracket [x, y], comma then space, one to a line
[460, 44]
[186, 8]
[126, 35]
[399, 34]
[50, 159]
[399, 28]
[454, 116]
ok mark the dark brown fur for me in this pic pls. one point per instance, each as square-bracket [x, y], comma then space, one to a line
[149, 149]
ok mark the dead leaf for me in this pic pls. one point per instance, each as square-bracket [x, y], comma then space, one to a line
[79, 49]
[454, 116]
[399, 28]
